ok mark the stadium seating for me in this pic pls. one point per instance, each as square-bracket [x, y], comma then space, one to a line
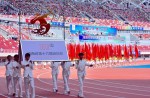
[8, 45]
[13, 31]
[71, 9]
[143, 36]
[76, 9]
[144, 48]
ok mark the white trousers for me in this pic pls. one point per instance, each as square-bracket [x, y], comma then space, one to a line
[81, 77]
[29, 84]
[10, 86]
[18, 82]
[66, 82]
[54, 78]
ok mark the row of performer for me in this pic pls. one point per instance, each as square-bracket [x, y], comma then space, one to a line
[14, 77]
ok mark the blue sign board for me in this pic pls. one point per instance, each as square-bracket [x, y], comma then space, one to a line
[57, 24]
[92, 30]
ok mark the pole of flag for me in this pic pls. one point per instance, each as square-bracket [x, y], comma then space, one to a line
[64, 3]
[19, 50]
[19, 25]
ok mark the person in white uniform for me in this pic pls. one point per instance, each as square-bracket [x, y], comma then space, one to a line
[81, 72]
[44, 65]
[66, 73]
[17, 76]
[27, 64]
[9, 75]
[55, 71]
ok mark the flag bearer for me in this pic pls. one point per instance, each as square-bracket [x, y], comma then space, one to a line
[81, 72]
[66, 73]
[27, 64]
[17, 76]
[55, 71]
[9, 75]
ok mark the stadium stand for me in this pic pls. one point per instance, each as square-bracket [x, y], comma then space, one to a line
[134, 11]
[72, 8]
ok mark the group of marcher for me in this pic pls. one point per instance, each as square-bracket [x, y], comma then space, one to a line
[14, 76]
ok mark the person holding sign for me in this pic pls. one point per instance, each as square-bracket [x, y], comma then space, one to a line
[17, 76]
[9, 74]
[55, 72]
[27, 64]
[81, 72]
[66, 73]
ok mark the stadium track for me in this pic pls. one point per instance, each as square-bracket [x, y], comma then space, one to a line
[99, 83]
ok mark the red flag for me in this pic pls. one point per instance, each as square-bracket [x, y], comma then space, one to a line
[96, 51]
[100, 52]
[82, 49]
[93, 51]
[110, 51]
[85, 50]
[89, 52]
[106, 52]
[126, 54]
[68, 48]
[136, 52]
[71, 51]
[114, 51]
[77, 50]
[131, 51]
[119, 52]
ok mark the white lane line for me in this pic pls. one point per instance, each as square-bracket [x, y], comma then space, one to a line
[38, 77]
[106, 89]
[56, 93]
[122, 84]
[24, 92]
[1, 93]
[114, 86]
[51, 91]
[115, 83]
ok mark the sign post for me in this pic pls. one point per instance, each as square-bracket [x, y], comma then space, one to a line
[44, 50]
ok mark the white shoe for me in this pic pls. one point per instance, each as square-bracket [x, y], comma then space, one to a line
[55, 90]
[80, 96]
[16, 96]
[9, 94]
[67, 92]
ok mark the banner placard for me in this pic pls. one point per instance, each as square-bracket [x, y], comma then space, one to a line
[44, 50]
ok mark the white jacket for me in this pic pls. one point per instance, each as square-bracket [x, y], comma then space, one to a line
[80, 66]
[27, 70]
[9, 68]
[66, 67]
[17, 72]
[55, 67]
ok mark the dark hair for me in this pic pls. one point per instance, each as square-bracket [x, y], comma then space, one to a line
[27, 55]
[8, 56]
[16, 56]
[81, 54]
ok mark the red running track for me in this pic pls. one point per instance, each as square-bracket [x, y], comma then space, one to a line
[99, 83]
